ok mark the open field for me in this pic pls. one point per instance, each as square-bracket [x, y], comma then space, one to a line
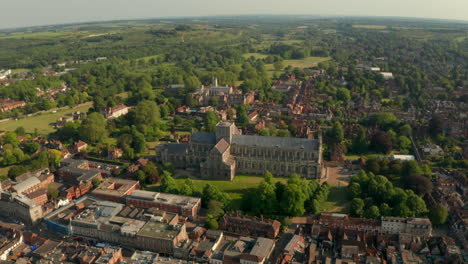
[302, 63]
[306, 62]
[19, 70]
[36, 35]
[44, 122]
[370, 26]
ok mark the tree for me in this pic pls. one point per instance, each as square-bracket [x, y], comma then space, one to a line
[404, 143]
[97, 181]
[278, 65]
[438, 214]
[16, 171]
[405, 130]
[420, 184]
[31, 147]
[211, 119]
[336, 133]
[11, 138]
[138, 142]
[93, 128]
[187, 188]
[141, 177]
[416, 204]
[354, 190]
[293, 200]
[373, 166]
[385, 209]
[211, 192]
[211, 223]
[20, 131]
[214, 101]
[54, 157]
[191, 83]
[315, 206]
[372, 212]
[52, 191]
[242, 116]
[436, 126]
[411, 168]
[360, 143]
[168, 184]
[215, 209]
[151, 172]
[146, 113]
[268, 177]
[402, 210]
[381, 142]
[343, 94]
[265, 199]
[357, 207]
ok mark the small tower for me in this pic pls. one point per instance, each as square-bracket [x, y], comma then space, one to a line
[225, 130]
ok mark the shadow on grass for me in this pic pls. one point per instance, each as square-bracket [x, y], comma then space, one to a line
[337, 200]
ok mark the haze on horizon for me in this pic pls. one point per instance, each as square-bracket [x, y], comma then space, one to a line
[20, 13]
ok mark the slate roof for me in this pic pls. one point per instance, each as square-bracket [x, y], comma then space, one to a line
[204, 137]
[26, 184]
[175, 148]
[281, 142]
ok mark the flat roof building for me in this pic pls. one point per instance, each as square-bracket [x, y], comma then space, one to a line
[184, 205]
[115, 189]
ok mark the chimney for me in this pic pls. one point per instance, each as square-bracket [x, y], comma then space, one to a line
[215, 82]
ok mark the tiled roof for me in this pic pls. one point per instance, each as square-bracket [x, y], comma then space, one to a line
[222, 146]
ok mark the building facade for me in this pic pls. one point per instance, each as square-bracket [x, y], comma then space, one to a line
[222, 154]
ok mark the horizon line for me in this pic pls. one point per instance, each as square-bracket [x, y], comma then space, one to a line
[313, 16]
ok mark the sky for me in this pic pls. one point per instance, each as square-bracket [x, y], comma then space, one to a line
[19, 13]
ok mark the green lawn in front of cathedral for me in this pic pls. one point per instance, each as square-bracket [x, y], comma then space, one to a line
[234, 188]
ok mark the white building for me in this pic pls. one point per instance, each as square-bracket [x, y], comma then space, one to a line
[4, 74]
[387, 75]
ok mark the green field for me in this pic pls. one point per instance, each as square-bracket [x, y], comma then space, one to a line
[234, 189]
[306, 62]
[43, 122]
[370, 26]
[35, 35]
[337, 201]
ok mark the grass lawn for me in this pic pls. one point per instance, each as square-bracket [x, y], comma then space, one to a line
[234, 189]
[306, 62]
[337, 201]
[19, 70]
[43, 122]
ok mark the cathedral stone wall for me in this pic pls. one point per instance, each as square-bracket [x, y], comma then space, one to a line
[221, 155]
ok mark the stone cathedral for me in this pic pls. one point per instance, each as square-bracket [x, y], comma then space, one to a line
[220, 155]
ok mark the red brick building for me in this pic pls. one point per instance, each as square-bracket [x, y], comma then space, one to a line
[183, 205]
[250, 225]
